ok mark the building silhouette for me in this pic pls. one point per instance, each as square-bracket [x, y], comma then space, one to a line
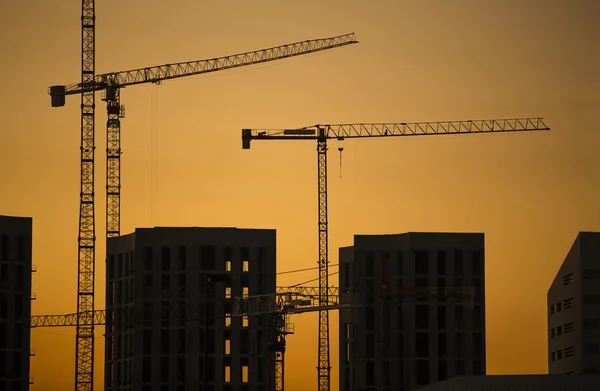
[421, 317]
[169, 303]
[574, 310]
[15, 301]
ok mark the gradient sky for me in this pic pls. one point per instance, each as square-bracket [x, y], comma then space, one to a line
[183, 165]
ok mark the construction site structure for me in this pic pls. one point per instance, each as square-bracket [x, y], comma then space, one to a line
[322, 133]
[275, 307]
[111, 84]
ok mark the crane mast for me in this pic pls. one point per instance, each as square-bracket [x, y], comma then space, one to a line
[84, 351]
[324, 367]
[321, 133]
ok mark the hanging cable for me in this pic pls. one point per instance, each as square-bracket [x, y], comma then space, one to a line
[340, 149]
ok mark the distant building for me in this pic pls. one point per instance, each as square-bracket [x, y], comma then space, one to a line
[414, 326]
[159, 283]
[518, 383]
[15, 301]
[574, 310]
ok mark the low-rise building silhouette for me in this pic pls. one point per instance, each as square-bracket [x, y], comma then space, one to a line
[169, 303]
[421, 317]
[15, 301]
[574, 310]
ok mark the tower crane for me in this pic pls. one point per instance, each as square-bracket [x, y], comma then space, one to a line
[111, 84]
[322, 133]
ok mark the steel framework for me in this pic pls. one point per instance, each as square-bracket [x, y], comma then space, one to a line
[277, 307]
[321, 133]
[84, 350]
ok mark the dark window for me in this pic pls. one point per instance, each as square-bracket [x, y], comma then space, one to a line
[147, 315]
[166, 281]
[422, 372]
[399, 263]
[164, 341]
[422, 282]
[422, 344]
[400, 316]
[111, 266]
[591, 274]
[262, 257]
[588, 299]
[5, 249]
[147, 280]
[421, 316]
[146, 369]
[476, 265]
[19, 305]
[164, 369]
[421, 262]
[400, 345]
[370, 318]
[441, 317]
[182, 257]
[244, 341]
[591, 348]
[181, 341]
[370, 369]
[346, 268]
[477, 317]
[180, 369]
[20, 248]
[148, 258]
[477, 367]
[166, 258]
[245, 254]
[18, 367]
[441, 262]
[147, 341]
[459, 317]
[442, 345]
[477, 345]
[207, 257]
[370, 342]
[590, 323]
[369, 264]
[442, 370]
[460, 344]
[460, 367]
[458, 262]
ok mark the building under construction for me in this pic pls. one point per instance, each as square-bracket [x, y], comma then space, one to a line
[422, 313]
[15, 301]
[169, 323]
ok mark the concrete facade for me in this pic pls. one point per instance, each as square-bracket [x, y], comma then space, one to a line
[408, 331]
[160, 281]
[15, 301]
[574, 310]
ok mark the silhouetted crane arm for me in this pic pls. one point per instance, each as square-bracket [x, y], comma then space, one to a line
[64, 320]
[172, 71]
[343, 131]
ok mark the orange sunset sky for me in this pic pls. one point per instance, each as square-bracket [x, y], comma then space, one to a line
[183, 165]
